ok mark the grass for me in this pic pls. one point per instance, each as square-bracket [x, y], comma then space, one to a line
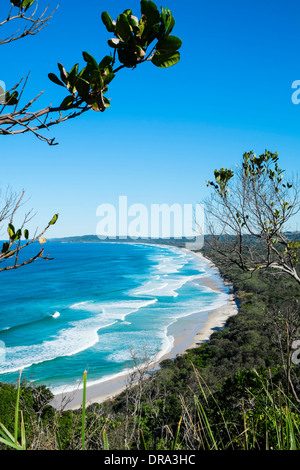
[274, 420]
[6, 438]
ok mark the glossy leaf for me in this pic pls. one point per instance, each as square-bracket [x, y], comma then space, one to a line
[11, 231]
[123, 29]
[73, 72]
[170, 43]
[90, 60]
[53, 220]
[165, 60]
[134, 22]
[167, 21]
[26, 234]
[108, 78]
[27, 4]
[107, 60]
[107, 21]
[83, 87]
[106, 101]
[63, 73]
[149, 9]
[67, 102]
[18, 235]
[55, 79]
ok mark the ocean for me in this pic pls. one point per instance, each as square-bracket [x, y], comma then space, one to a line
[97, 307]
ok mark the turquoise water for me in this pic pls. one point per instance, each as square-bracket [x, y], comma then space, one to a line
[93, 307]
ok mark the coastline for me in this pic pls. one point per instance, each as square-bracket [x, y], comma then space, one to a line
[196, 330]
[216, 318]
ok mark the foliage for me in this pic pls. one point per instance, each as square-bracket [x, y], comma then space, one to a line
[131, 42]
[254, 204]
[18, 239]
[135, 41]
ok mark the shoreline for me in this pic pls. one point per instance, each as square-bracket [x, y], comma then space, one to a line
[196, 331]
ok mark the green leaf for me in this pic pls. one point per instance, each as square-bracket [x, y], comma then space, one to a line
[67, 102]
[106, 101]
[5, 247]
[18, 234]
[63, 73]
[11, 100]
[83, 87]
[165, 60]
[53, 220]
[167, 21]
[108, 78]
[106, 61]
[26, 234]
[107, 21]
[90, 60]
[134, 22]
[149, 9]
[123, 29]
[55, 79]
[170, 43]
[11, 230]
[16, 3]
[73, 72]
[27, 4]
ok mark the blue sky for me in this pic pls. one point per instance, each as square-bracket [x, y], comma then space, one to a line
[167, 129]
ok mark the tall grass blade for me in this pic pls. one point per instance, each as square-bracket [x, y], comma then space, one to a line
[58, 441]
[23, 436]
[17, 410]
[83, 411]
[105, 440]
[174, 444]
[144, 446]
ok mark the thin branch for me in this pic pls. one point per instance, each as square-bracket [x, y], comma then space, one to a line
[36, 24]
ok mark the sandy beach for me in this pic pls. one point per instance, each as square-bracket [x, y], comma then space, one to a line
[188, 334]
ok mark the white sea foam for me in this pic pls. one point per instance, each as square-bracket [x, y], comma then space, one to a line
[167, 345]
[79, 336]
[56, 315]
[167, 286]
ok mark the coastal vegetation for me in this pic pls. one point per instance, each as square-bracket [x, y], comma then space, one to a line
[255, 202]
